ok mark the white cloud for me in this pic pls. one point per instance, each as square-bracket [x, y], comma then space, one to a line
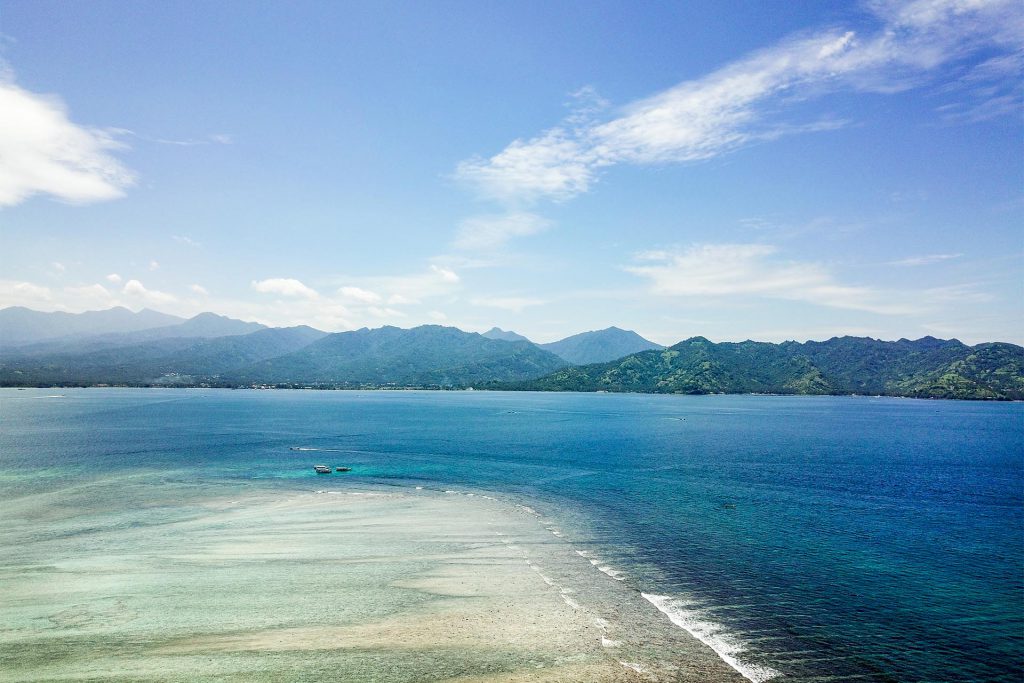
[491, 232]
[515, 304]
[359, 294]
[727, 270]
[154, 265]
[446, 275]
[114, 277]
[135, 289]
[58, 266]
[199, 289]
[285, 287]
[733, 106]
[924, 260]
[43, 152]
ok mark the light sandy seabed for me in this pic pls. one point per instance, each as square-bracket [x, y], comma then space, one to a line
[342, 584]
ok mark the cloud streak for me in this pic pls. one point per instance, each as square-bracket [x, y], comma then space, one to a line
[732, 107]
[925, 260]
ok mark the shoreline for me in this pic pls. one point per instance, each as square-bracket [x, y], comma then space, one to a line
[420, 583]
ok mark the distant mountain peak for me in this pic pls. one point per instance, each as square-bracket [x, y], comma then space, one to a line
[600, 346]
[503, 335]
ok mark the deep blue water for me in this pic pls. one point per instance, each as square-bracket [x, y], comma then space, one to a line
[854, 538]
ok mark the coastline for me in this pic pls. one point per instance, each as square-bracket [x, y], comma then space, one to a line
[405, 583]
[460, 389]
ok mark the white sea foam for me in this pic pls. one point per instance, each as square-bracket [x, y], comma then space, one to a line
[569, 601]
[712, 634]
[419, 488]
[608, 642]
[541, 574]
[614, 573]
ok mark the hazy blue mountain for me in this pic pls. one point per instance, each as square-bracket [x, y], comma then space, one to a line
[173, 360]
[599, 346]
[430, 355]
[204, 325]
[19, 325]
[504, 335]
[925, 368]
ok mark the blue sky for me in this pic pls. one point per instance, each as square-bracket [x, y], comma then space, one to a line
[732, 169]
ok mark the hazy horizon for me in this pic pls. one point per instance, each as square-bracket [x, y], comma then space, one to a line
[482, 330]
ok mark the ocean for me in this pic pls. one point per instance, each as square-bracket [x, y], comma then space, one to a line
[803, 538]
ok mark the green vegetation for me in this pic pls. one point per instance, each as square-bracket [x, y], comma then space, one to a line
[210, 350]
[926, 368]
[429, 355]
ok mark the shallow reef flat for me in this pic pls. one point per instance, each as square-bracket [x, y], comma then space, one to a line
[126, 579]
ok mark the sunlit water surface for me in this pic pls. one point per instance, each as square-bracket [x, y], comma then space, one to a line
[823, 538]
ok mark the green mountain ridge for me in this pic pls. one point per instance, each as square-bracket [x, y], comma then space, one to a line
[212, 350]
[429, 355]
[175, 360]
[599, 346]
[925, 368]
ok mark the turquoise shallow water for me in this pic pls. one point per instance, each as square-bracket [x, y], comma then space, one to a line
[824, 538]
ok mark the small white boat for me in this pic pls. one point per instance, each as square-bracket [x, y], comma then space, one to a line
[322, 469]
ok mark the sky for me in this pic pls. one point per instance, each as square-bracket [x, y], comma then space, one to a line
[732, 169]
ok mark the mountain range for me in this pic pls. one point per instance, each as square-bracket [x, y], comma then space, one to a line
[925, 368]
[148, 348]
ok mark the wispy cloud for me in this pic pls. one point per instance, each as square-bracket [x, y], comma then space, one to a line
[43, 152]
[216, 139]
[737, 104]
[285, 287]
[199, 290]
[924, 260]
[730, 270]
[187, 241]
[482, 233]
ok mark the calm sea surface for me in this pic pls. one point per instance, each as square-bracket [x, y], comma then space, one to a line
[826, 538]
